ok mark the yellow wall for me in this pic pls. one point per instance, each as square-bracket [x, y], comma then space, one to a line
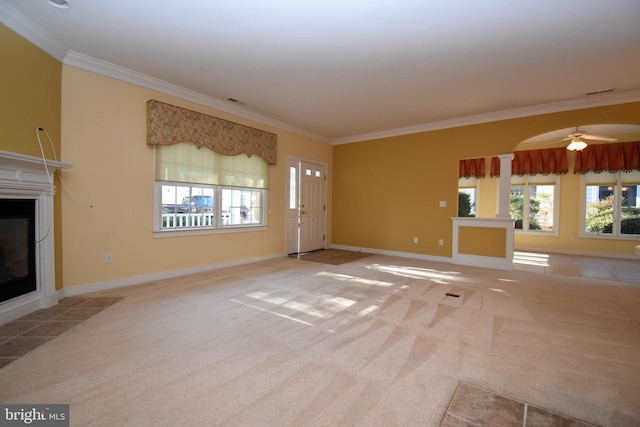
[382, 192]
[30, 87]
[387, 191]
[567, 238]
[29, 95]
[104, 137]
[483, 241]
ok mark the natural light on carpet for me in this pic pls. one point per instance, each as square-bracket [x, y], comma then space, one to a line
[417, 273]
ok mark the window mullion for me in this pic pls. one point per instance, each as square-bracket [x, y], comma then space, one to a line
[617, 205]
[217, 217]
[526, 202]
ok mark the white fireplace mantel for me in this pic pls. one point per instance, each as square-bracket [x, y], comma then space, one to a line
[28, 177]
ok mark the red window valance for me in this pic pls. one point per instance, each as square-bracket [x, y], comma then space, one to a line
[624, 156]
[533, 162]
[471, 168]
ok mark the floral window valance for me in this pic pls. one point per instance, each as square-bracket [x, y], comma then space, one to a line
[169, 125]
[533, 162]
[624, 156]
[471, 168]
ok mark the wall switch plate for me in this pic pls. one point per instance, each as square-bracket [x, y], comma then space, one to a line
[441, 242]
[443, 203]
[108, 258]
[415, 240]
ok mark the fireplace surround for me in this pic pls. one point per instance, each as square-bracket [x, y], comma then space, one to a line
[24, 177]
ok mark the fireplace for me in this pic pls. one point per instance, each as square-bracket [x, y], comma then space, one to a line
[17, 248]
[27, 259]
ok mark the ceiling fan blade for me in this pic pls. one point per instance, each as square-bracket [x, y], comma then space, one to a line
[598, 138]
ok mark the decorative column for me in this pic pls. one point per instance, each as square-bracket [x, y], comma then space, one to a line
[504, 193]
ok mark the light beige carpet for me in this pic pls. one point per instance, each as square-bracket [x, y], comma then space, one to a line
[374, 342]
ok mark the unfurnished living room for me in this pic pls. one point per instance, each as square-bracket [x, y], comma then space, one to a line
[382, 213]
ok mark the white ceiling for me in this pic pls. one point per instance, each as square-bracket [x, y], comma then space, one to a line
[345, 69]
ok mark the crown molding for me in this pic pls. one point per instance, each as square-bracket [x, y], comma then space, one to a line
[554, 107]
[34, 34]
[107, 69]
[27, 29]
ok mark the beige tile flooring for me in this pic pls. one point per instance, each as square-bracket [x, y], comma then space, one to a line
[473, 406]
[617, 270]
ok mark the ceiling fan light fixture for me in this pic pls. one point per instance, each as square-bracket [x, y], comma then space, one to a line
[60, 4]
[576, 145]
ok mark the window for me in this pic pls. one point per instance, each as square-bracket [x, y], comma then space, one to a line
[532, 202]
[612, 204]
[467, 196]
[198, 189]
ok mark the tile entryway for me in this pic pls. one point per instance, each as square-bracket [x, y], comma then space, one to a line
[20, 336]
[473, 406]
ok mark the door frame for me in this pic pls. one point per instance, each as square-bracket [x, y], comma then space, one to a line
[296, 161]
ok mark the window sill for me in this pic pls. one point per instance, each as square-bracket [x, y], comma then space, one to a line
[161, 234]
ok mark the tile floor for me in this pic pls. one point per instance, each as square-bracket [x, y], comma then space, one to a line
[473, 406]
[22, 335]
[617, 270]
[331, 256]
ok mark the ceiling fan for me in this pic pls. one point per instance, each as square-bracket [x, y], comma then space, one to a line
[577, 143]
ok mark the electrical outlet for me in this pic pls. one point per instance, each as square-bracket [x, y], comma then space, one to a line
[415, 240]
[108, 258]
[441, 242]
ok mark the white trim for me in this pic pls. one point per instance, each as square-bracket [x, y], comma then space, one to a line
[107, 69]
[538, 180]
[25, 177]
[611, 255]
[146, 278]
[534, 110]
[188, 232]
[392, 253]
[27, 29]
[615, 235]
[296, 161]
[483, 261]
[505, 263]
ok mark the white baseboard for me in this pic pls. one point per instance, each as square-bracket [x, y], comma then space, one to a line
[392, 253]
[484, 262]
[614, 255]
[145, 278]
[136, 280]
[20, 306]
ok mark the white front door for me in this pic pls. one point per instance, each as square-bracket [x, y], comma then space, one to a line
[306, 207]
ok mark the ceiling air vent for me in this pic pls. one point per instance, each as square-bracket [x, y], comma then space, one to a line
[235, 101]
[598, 92]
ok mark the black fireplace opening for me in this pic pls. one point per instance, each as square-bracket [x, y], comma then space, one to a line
[17, 248]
